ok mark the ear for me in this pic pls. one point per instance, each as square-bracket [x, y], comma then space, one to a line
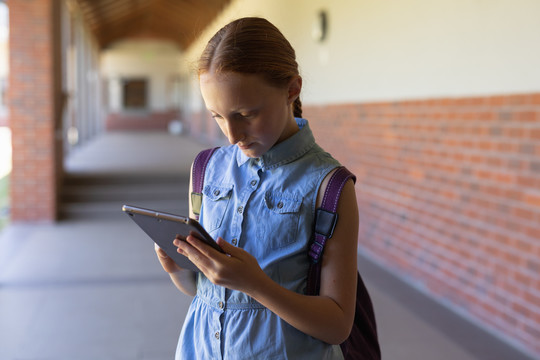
[294, 88]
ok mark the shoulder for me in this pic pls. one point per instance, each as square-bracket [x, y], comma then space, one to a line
[344, 181]
[223, 152]
[222, 156]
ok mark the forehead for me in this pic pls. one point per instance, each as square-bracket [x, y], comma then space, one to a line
[232, 89]
[230, 79]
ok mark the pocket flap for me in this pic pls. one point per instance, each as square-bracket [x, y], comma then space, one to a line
[281, 203]
[215, 192]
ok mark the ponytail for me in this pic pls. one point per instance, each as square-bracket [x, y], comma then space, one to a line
[297, 108]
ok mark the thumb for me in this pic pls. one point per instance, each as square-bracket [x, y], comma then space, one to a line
[160, 251]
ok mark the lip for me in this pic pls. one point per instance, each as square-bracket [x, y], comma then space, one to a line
[245, 147]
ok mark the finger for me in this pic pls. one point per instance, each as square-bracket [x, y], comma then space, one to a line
[180, 242]
[227, 247]
[180, 237]
[194, 254]
[201, 246]
[183, 247]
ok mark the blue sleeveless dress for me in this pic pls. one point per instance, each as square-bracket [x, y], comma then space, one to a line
[265, 206]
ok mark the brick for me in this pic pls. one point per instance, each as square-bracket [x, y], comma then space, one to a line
[534, 266]
[31, 110]
[516, 99]
[533, 199]
[505, 178]
[533, 232]
[525, 214]
[534, 134]
[505, 116]
[526, 181]
[535, 166]
[534, 99]
[526, 116]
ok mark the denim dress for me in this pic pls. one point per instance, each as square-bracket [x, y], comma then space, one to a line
[265, 206]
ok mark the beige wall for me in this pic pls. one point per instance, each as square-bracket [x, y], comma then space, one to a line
[394, 49]
[154, 60]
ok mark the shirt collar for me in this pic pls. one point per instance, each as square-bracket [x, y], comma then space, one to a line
[286, 151]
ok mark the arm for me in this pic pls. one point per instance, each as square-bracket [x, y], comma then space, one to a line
[330, 315]
[183, 279]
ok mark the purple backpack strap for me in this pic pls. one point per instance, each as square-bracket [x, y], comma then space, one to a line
[197, 179]
[326, 218]
[362, 343]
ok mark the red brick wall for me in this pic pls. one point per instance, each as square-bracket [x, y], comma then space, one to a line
[31, 104]
[449, 196]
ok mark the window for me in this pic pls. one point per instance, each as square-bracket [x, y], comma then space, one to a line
[135, 94]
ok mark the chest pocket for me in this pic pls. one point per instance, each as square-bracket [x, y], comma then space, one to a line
[217, 200]
[280, 214]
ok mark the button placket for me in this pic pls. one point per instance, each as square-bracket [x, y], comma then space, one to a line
[249, 187]
[216, 333]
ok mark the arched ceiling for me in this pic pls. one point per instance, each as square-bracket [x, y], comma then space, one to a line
[180, 21]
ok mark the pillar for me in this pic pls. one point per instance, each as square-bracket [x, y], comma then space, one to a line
[33, 109]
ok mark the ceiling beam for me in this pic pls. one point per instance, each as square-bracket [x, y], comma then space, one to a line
[178, 20]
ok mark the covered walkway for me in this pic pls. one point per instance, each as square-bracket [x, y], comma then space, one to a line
[90, 287]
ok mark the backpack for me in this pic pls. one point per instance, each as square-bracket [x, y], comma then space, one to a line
[362, 343]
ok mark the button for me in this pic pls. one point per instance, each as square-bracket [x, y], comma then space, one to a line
[234, 242]
[217, 335]
[221, 305]
[280, 205]
[216, 192]
[240, 209]
[253, 182]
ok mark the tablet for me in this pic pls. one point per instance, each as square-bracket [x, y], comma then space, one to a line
[163, 228]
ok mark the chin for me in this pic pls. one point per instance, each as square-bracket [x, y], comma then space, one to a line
[252, 152]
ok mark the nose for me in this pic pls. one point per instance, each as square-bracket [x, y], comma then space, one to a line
[235, 132]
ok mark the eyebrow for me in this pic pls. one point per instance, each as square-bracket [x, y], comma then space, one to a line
[235, 111]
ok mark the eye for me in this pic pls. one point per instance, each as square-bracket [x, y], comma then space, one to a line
[216, 116]
[247, 114]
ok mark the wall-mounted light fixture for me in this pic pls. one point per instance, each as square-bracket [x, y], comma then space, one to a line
[320, 26]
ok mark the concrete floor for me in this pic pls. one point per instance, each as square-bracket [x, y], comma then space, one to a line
[93, 289]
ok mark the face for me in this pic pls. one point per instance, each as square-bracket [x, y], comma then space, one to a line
[253, 114]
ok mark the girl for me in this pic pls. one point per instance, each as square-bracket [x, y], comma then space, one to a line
[260, 196]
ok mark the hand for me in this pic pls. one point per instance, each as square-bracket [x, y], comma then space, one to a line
[167, 263]
[235, 269]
